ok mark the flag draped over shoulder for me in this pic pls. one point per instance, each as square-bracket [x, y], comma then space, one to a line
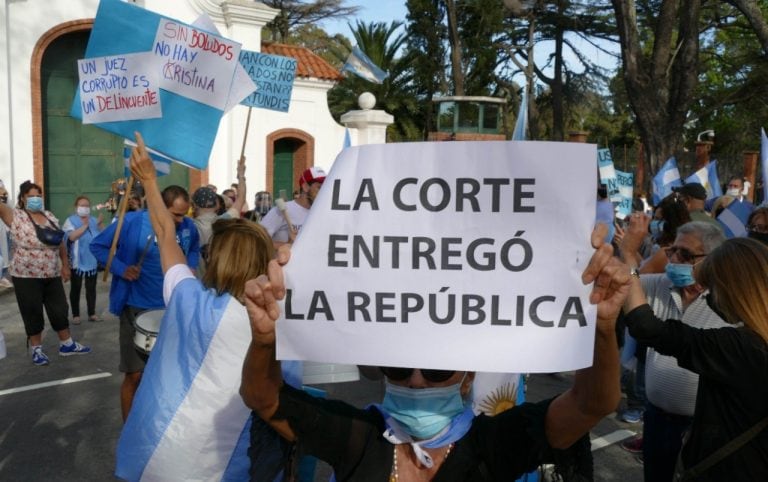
[664, 180]
[188, 421]
[359, 64]
[162, 163]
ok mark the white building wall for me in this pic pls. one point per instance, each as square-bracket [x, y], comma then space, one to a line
[28, 20]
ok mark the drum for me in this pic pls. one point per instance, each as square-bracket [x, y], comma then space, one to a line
[147, 325]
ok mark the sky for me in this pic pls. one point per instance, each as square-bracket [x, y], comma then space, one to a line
[370, 11]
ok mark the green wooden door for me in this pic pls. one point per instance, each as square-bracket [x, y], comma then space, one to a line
[78, 158]
[283, 169]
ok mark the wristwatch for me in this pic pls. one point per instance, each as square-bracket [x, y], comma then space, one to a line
[633, 272]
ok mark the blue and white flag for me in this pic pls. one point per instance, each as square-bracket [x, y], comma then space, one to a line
[664, 180]
[734, 219]
[188, 421]
[714, 180]
[359, 64]
[162, 163]
[347, 139]
[764, 163]
[521, 124]
[626, 184]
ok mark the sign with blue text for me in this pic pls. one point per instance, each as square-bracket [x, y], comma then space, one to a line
[273, 76]
[449, 255]
[195, 66]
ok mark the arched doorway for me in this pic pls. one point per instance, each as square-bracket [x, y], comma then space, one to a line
[76, 158]
[289, 152]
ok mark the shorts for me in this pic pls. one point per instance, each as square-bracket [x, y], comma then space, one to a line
[131, 359]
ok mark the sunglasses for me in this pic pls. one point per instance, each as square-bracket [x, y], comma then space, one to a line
[400, 374]
[683, 254]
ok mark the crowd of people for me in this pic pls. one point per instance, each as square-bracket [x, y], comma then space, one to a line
[686, 305]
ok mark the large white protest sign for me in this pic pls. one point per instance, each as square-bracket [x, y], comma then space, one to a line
[118, 88]
[454, 255]
[195, 63]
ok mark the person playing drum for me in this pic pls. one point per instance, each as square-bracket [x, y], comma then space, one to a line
[200, 348]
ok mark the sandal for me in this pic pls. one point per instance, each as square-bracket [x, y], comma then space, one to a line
[75, 320]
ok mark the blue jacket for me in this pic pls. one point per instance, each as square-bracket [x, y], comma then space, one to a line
[136, 236]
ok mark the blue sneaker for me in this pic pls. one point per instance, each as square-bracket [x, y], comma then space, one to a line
[74, 349]
[632, 416]
[38, 357]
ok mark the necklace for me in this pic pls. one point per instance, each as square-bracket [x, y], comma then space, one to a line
[393, 476]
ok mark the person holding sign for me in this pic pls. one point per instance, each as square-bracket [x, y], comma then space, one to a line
[283, 221]
[425, 427]
[188, 397]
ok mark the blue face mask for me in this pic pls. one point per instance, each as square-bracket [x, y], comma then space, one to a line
[656, 227]
[34, 204]
[681, 275]
[423, 412]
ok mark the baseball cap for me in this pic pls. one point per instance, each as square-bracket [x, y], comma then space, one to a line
[204, 197]
[313, 174]
[694, 190]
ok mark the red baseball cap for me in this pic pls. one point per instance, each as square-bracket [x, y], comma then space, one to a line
[313, 174]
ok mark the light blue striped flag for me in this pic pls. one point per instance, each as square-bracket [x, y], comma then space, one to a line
[734, 219]
[521, 124]
[162, 163]
[664, 180]
[764, 162]
[714, 180]
[347, 139]
[359, 64]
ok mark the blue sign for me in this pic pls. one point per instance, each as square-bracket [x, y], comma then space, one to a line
[187, 129]
[273, 76]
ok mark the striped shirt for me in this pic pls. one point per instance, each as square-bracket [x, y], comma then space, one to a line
[667, 386]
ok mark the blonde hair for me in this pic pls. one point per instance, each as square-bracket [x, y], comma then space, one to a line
[737, 275]
[239, 250]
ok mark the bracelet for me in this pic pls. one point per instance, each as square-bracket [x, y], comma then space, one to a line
[634, 273]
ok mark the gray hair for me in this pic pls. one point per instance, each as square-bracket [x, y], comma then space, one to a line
[711, 235]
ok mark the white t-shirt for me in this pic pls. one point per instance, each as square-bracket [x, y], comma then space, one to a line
[275, 224]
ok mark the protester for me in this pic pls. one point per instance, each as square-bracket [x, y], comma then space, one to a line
[671, 390]
[421, 403]
[720, 204]
[80, 229]
[198, 310]
[261, 206]
[37, 270]
[296, 210]
[757, 225]
[5, 243]
[737, 189]
[137, 278]
[732, 363]
[694, 196]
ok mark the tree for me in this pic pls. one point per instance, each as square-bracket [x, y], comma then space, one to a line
[660, 52]
[295, 13]
[381, 43]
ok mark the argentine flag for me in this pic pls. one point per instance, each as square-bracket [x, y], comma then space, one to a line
[188, 421]
[734, 219]
[664, 180]
[359, 64]
[521, 124]
[162, 163]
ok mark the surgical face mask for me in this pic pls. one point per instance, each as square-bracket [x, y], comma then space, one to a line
[681, 275]
[83, 211]
[735, 192]
[34, 204]
[656, 227]
[423, 412]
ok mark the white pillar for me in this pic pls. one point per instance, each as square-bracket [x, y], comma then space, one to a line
[371, 124]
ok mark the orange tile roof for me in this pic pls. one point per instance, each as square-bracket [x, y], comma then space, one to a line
[310, 65]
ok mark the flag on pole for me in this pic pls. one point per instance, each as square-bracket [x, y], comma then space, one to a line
[714, 181]
[700, 177]
[664, 180]
[734, 219]
[764, 162]
[162, 163]
[347, 139]
[521, 124]
[359, 64]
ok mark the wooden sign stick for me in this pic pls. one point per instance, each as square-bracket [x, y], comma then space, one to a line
[120, 218]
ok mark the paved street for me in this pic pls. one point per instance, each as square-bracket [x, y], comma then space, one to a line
[61, 422]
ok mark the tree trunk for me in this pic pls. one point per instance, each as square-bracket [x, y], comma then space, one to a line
[754, 15]
[457, 67]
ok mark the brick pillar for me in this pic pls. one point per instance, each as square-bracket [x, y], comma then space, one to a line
[702, 153]
[578, 136]
[750, 167]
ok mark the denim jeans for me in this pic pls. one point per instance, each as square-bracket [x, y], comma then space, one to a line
[662, 440]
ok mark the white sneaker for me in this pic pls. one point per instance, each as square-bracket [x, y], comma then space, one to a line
[5, 283]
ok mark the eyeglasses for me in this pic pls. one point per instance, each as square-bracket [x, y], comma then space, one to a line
[758, 228]
[683, 254]
[400, 374]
